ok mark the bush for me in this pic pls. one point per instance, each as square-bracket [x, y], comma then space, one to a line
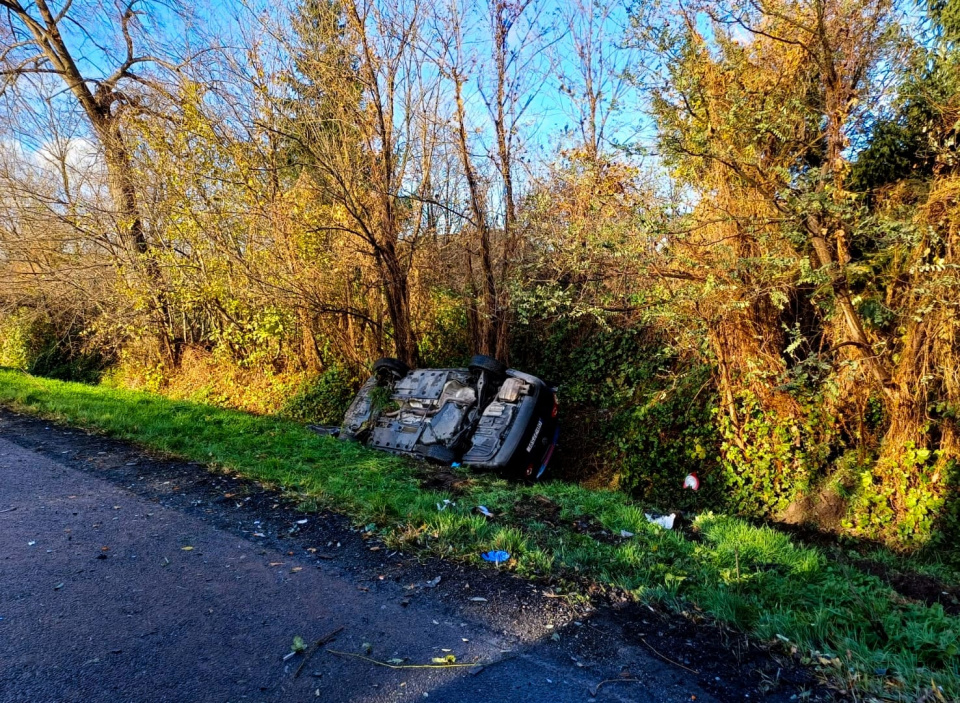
[15, 352]
[323, 399]
[39, 344]
[632, 405]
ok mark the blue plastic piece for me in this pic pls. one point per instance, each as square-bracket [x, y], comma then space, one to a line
[496, 556]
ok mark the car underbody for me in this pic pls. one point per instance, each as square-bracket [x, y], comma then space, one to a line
[485, 416]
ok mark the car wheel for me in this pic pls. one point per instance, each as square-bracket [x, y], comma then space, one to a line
[488, 364]
[440, 454]
[392, 366]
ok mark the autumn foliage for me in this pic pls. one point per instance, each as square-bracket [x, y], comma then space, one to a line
[728, 230]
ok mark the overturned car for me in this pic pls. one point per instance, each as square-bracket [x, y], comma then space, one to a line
[486, 416]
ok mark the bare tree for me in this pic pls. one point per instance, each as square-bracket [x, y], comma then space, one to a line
[365, 140]
[504, 72]
[517, 52]
[39, 46]
[592, 64]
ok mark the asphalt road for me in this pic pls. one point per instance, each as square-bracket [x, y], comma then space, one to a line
[131, 577]
[107, 595]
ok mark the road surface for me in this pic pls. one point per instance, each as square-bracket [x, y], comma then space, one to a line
[125, 577]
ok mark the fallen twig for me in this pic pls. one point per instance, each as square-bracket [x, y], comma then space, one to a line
[668, 659]
[313, 650]
[400, 666]
[8, 510]
[596, 689]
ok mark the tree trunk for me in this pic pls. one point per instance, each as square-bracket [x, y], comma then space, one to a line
[488, 317]
[852, 322]
[397, 293]
[132, 233]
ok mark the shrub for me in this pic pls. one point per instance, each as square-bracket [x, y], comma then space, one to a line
[323, 399]
[42, 345]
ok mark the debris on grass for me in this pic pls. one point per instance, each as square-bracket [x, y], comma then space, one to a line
[482, 509]
[664, 521]
[496, 556]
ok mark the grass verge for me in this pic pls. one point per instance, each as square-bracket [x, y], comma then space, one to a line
[847, 622]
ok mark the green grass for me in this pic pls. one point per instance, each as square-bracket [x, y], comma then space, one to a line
[845, 621]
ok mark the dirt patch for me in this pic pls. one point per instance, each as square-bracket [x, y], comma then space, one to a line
[543, 510]
[580, 457]
[592, 528]
[538, 509]
[826, 511]
[713, 652]
[919, 587]
[437, 478]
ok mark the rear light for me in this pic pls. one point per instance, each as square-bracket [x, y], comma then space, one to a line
[549, 454]
[530, 470]
[556, 406]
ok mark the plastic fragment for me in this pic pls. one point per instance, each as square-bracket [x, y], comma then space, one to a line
[624, 533]
[482, 509]
[664, 521]
[496, 556]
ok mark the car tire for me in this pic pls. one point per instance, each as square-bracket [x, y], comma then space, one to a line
[489, 364]
[394, 367]
[440, 454]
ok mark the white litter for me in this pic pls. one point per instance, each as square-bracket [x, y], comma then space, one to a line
[665, 521]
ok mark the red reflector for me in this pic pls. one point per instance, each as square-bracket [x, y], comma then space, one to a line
[556, 406]
[530, 470]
